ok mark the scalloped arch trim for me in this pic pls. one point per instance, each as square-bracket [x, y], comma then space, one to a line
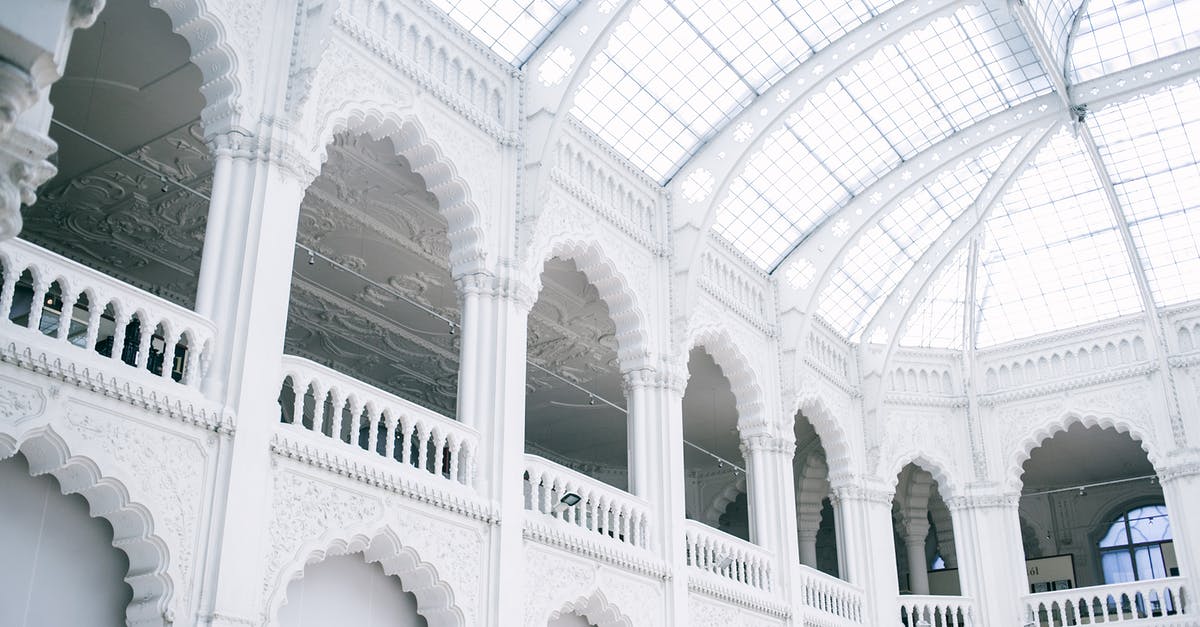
[829, 430]
[596, 609]
[931, 463]
[435, 599]
[211, 51]
[1015, 459]
[735, 365]
[108, 498]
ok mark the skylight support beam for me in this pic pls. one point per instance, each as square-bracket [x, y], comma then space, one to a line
[892, 318]
[970, 372]
[725, 155]
[1133, 259]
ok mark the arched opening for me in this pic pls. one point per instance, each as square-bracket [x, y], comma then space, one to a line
[815, 523]
[60, 566]
[1093, 495]
[575, 407]
[372, 296]
[713, 464]
[922, 526]
[569, 620]
[347, 590]
[130, 145]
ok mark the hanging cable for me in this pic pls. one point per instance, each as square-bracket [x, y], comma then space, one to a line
[1084, 487]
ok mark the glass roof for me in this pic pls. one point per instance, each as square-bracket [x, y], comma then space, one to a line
[937, 322]
[1054, 18]
[1151, 149]
[1052, 256]
[888, 108]
[1117, 34]
[882, 256]
[513, 29]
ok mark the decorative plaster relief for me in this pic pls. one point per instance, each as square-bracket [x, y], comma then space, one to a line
[19, 403]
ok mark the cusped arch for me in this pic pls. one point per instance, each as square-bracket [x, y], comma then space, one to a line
[826, 423]
[153, 600]
[613, 286]
[1016, 458]
[936, 465]
[596, 609]
[410, 139]
[735, 488]
[382, 545]
[210, 49]
[735, 364]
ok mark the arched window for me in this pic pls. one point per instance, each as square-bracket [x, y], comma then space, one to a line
[1132, 548]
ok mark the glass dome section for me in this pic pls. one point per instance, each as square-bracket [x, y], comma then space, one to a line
[511, 28]
[937, 322]
[1052, 256]
[1151, 149]
[1114, 35]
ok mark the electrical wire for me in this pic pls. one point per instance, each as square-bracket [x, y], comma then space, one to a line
[1080, 488]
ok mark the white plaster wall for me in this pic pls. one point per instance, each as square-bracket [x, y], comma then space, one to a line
[346, 590]
[59, 566]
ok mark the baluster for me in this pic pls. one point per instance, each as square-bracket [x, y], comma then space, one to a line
[468, 464]
[318, 421]
[192, 369]
[406, 439]
[423, 435]
[455, 461]
[389, 447]
[40, 286]
[337, 403]
[439, 453]
[145, 334]
[356, 422]
[170, 339]
[95, 310]
[298, 392]
[544, 488]
[373, 415]
[12, 274]
[121, 322]
[66, 315]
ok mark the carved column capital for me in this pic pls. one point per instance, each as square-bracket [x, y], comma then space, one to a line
[662, 377]
[982, 501]
[492, 286]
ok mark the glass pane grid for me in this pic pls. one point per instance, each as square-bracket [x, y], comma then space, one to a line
[1053, 257]
[881, 258]
[1119, 34]
[1054, 18]
[512, 29]
[658, 91]
[937, 322]
[1149, 146]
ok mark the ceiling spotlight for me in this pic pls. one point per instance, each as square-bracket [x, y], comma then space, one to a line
[312, 258]
[451, 325]
[568, 500]
[1082, 492]
[591, 400]
[725, 562]
[165, 187]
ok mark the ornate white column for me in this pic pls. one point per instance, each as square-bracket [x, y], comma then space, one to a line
[991, 559]
[771, 492]
[35, 36]
[245, 286]
[808, 522]
[656, 470]
[1180, 479]
[866, 548]
[491, 398]
[916, 530]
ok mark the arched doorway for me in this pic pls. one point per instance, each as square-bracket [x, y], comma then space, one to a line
[815, 523]
[60, 566]
[714, 467]
[922, 568]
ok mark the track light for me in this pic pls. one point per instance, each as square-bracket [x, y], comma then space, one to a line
[312, 258]
[725, 562]
[568, 500]
[591, 400]
[165, 187]
[1082, 492]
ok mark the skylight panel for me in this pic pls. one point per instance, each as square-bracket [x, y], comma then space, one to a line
[511, 28]
[1149, 146]
[937, 322]
[658, 90]
[1119, 34]
[1053, 258]
[886, 252]
[1054, 18]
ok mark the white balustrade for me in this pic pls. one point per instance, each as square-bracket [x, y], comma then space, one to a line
[719, 553]
[1138, 601]
[601, 507]
[831, 595]
[936, 611]
[355, 414]
[57, 298]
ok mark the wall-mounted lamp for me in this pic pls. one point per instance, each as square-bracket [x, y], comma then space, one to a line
[568, 500]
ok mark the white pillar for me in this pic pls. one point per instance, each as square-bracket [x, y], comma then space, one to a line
[1181, 487]
[808, 523]
[915, 533]
[491, 398]
[991, 560]
[35, 36]
[245, 286]
[866, 548]
[656, 471]
[770, 490]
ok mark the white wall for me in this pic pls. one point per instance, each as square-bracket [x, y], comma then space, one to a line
[345, 590]
[59, 566]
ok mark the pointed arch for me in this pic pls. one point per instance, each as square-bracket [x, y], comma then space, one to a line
[211, 50]
[596, 608]
[382, 545]
[826, 422]
[612, 283]
[1015, 459]
[744, 381]
[410, 139]
[153, 600]
[933, 463]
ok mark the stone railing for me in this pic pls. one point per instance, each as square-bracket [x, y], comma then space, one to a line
[830, 596]
[600, 508]
[76, 306]
[726, 556]
[1149, 602]
[936, 611]
[344, 409]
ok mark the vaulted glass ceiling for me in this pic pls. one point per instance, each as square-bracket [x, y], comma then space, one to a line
[675, 74]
